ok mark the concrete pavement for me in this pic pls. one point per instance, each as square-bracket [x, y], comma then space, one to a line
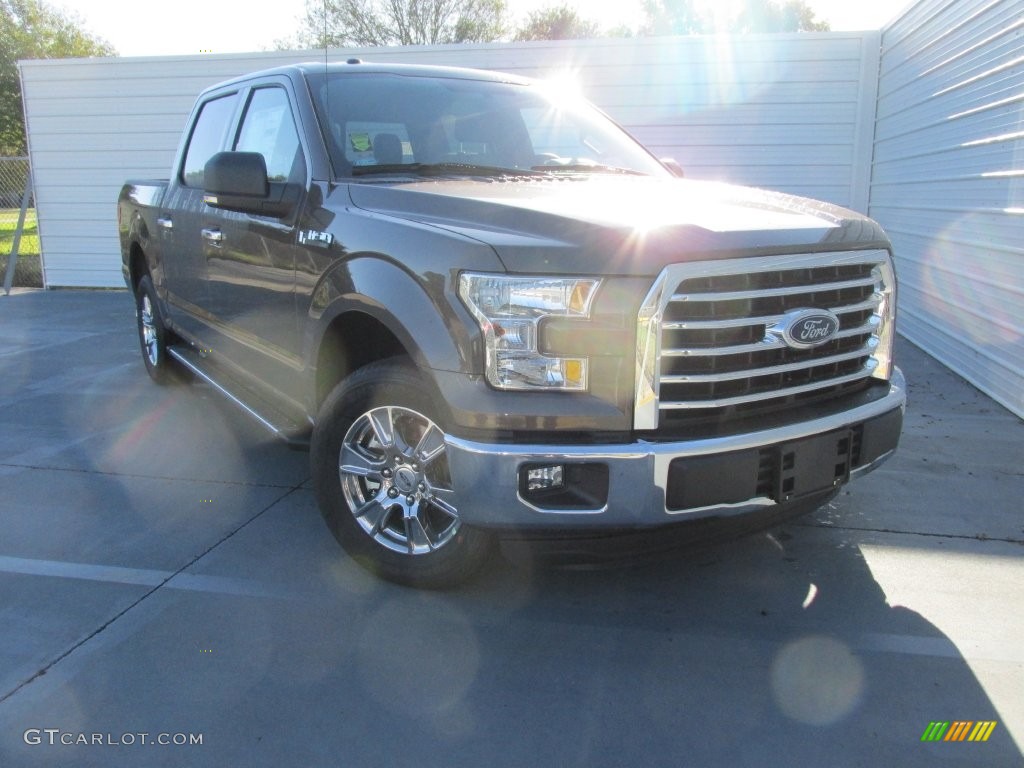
[165, 576]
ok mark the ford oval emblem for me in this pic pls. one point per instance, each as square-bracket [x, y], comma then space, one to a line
[808, 328]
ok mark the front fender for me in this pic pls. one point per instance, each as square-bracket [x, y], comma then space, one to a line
[422, 311]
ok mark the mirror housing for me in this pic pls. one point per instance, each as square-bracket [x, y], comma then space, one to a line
[673, 167]
[237, 181]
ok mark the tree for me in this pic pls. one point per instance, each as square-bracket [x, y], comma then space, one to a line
[339, 23]
[673, 17]
[767, 16]
[557, 23]
[31, 29]
[681, 17]
[621, 30]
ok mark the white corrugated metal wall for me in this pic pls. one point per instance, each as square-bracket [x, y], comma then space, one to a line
[790, 112]
[948, 184]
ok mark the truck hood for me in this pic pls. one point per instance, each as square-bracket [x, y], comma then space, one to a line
[619, 224]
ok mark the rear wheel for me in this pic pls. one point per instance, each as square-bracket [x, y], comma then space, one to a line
[381, 474]
[152, 333]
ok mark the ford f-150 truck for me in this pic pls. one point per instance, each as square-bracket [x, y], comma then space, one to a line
[485, 309]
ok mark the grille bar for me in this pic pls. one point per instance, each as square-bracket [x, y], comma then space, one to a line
[768, 343]
[740, 322]
[769, 292]
[762, 396]
[749, 373]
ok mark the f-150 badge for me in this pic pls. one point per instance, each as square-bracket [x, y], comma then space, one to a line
[316, 238]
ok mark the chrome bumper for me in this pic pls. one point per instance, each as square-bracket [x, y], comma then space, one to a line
[486, 475]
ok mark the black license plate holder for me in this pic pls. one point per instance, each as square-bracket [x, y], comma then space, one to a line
[813, 464]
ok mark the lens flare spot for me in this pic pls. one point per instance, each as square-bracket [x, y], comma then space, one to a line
[144, 427]
[817, 680]
[966, 284]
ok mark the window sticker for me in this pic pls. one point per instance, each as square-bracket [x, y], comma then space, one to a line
[361, 140]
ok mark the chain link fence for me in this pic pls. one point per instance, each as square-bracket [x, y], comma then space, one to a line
[13, 178]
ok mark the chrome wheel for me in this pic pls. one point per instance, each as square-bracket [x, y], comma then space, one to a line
[393, 467]
[153, 337]
[150, 339]
[381, 474]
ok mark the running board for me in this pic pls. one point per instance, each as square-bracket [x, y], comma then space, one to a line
[267, 415]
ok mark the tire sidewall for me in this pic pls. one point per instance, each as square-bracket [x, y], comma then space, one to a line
[386, 383]
[160, 372]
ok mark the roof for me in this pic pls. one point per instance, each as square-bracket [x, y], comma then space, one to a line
[358, 66]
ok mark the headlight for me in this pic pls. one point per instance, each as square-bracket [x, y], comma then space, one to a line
[885, 290]
[509, 310]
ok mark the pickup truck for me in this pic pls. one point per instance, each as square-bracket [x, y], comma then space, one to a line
[488, 311]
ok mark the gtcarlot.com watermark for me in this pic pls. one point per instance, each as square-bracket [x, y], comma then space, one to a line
[57, 737]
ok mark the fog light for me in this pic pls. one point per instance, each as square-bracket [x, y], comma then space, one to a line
[572, 486]
[544, 478]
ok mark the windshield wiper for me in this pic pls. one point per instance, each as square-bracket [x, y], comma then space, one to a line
[586, 168]
[441, 169]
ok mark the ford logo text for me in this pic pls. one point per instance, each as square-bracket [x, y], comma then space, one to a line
[807, 328]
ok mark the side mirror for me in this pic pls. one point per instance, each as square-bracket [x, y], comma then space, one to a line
[237, 181]
[673, 167]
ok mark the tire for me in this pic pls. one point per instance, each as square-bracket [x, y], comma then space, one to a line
[152, 333]
[380, 472]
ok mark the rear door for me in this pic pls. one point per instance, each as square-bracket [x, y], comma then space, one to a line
[180, 220]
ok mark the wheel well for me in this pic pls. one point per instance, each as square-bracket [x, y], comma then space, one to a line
[137, 265]
[351, 341]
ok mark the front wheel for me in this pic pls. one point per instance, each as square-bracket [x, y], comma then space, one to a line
[381, 475]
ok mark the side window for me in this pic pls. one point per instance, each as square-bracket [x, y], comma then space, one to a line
[269, 128]
[207, 137]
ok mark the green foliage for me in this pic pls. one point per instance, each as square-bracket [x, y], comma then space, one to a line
[673, 17]
[621, 30]
[30, 29]
[557, 23]
[340, 23]
[682, 17]
[767, 16]
[29, 236]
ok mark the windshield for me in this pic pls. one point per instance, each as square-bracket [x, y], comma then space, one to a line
[378, 124]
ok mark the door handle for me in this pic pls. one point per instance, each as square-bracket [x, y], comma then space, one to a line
[215, 236]
[164, 223]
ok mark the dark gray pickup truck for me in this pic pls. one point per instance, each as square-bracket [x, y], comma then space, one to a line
[487, 311]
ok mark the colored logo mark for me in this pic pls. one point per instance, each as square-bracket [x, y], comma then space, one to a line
[958, 730]
[360, 142]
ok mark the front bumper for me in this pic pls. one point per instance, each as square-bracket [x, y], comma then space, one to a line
[655, 483]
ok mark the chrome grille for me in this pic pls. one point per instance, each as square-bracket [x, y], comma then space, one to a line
[710, 335]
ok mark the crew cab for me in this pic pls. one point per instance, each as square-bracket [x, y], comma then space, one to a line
[487, 310]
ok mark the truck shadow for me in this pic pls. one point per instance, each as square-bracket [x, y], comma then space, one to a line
[781, 644]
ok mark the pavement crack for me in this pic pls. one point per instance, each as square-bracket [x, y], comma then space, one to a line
[133, 476]
[99, 630]
[960, 536]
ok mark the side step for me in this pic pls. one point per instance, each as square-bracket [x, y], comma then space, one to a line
[294, 433]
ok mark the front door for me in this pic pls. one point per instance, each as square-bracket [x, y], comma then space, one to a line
[250, 260]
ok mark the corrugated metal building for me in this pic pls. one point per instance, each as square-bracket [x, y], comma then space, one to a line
[948, 184]
[922, 126]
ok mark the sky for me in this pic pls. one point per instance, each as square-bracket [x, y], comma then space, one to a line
[237, 26]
